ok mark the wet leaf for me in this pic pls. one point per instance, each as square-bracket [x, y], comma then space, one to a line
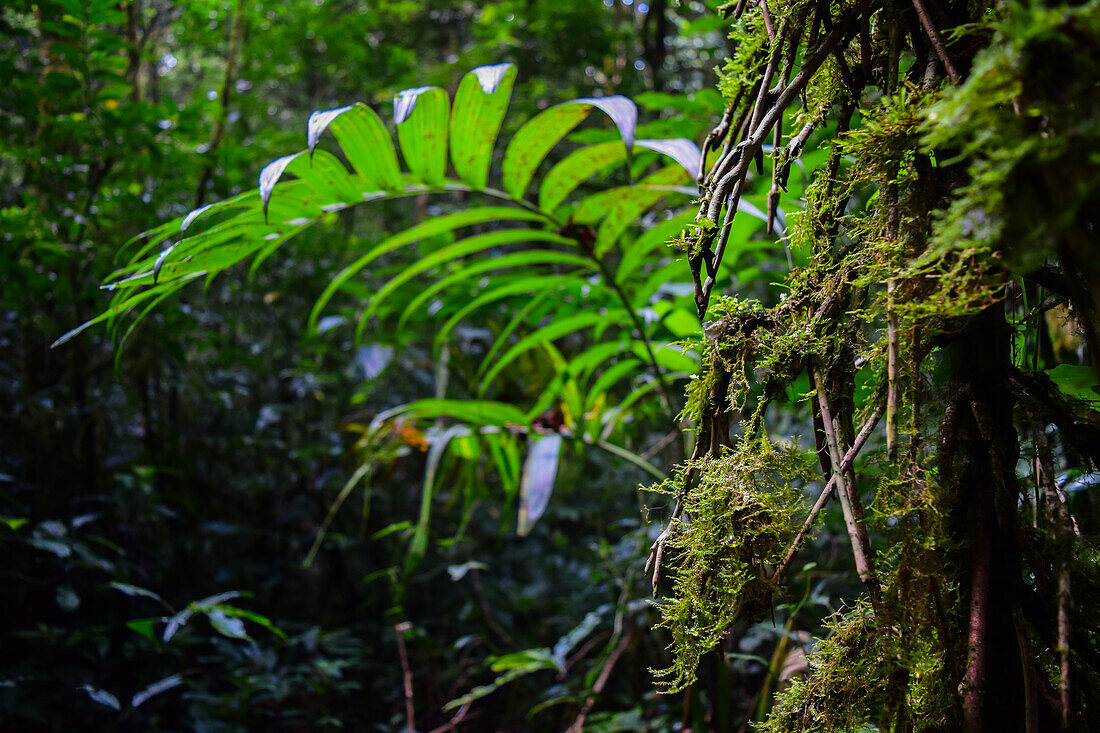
[479, 107]
[193, 215]
[365, 142]
[680, 149]
[226, 625]
[134, 591]
[67, 599]
[622, 111]
[270, 175]
[155, 689]
[490, 77]
[421, 115]
[102, 697]
[539, 472]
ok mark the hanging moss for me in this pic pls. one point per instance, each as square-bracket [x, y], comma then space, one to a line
[734, 524]
[962, 177]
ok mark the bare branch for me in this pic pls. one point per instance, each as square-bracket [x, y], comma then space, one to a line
[407, 675]
[849, 499]
[827, 492]
[937, 40]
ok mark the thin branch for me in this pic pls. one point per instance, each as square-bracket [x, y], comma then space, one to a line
[752, 144]
[891, 373]
[827, 492]
[601, 681]
[1031, 681]
[457, 718]
[410, 709]
[937, 40]
[657, 550]
[236, 41]
[768, 25]
[1065, 633]
[1065, 526]
[849, 499]
[892, 219]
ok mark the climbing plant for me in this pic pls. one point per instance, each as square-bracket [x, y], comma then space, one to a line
[954, 211]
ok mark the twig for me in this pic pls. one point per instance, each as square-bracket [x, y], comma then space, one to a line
[601, 681]
[1065, 526]
[849, 499]
[457, 718]
[661, 444]
[657, 550]
[827, 492]
[236, 41]
[891, 373]
[410, 709]
[768, 25]
[1031, 689]
[487, 612]
[662, 380]
[937, 40]
[1065, 633]
[892, 217]
[752, 145]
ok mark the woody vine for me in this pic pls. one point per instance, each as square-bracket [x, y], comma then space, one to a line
[956, 209]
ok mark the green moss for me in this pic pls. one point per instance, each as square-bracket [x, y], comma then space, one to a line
[736, 521]
[933, 198]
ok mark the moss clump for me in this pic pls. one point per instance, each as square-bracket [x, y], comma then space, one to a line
[736, 521]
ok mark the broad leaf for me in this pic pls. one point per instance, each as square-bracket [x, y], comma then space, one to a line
[575, 168]
[430, 228]
[550, 332]
[421, 116]
[533, 141]
[479, 107]
[365, 142]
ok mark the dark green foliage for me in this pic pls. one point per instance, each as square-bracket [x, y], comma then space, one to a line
[297, 491]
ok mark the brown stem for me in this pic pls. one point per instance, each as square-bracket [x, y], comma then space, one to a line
[1031, 682]
[826, 493]
[1065, 601]
[891, 374]
[601, 681]
[937, 40]
[973, 685]
[410, 709]
[657, 551]
[768, 25]
[752, 144]
[892, 218]
[849, 499]
[236, 40]
[457, 718]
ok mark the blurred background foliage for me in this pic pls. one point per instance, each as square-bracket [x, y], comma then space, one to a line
[207, 461]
